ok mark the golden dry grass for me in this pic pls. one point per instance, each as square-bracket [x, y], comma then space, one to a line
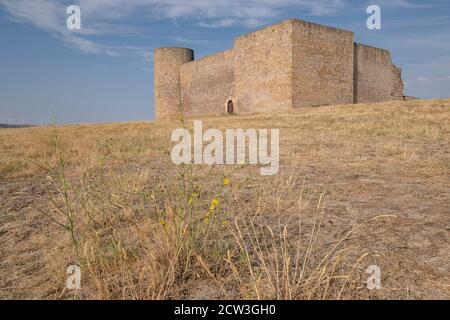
[358, 186]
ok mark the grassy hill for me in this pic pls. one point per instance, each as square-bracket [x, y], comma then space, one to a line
[359, 185]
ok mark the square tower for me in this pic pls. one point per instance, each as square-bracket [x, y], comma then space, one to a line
[293, 64]
[263, 69]
[323, 65]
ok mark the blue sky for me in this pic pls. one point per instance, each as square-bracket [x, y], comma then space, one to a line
[103, 72]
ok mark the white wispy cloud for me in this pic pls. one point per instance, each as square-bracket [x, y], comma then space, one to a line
[109, 17]
[221, 23]
[433, 79]
[46, 14]
[50, 16]
[190, 41]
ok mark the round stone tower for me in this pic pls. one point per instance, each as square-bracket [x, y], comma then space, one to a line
[167, 63]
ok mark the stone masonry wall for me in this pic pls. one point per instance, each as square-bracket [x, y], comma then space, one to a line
[322, 65]
[206, 84]
[263, 70]
[167, 80]
[283, 66]
[398, 87]
[377, 79]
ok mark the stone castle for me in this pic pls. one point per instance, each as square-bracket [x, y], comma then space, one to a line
[285, 66]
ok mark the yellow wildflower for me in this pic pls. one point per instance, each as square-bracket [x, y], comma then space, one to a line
[214, 204]
[226, 182]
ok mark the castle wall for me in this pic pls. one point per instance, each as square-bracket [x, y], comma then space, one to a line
[287, 65]
[322, 65]
[398, 88]
[207, 83]
[377, 79]
[263, 70]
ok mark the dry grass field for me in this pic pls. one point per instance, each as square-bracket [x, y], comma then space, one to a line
[359, 185]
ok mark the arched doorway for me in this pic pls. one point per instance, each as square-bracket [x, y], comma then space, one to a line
[230, 107]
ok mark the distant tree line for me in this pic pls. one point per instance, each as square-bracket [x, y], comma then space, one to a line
[15, 126]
